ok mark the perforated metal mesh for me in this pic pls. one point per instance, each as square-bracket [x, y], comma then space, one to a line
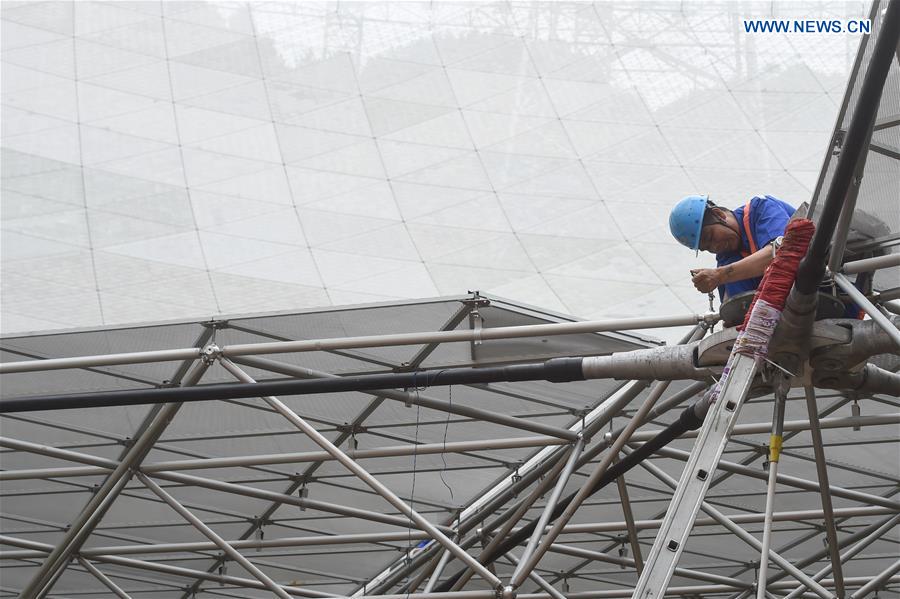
[876, 218]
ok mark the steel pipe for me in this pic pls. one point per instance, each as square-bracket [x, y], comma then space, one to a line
[869, 264]
[202, 575]
[843, 542]
[863, 302]
[365, 477]
[438, 570]
[390, 451]
[301, 502]
[542, 462]
[679, 364]
[822, 472]
[686, 421]
[536, 578]
[438, 595]
[847, 555]
[226, 487]
[165, 355]
[416, 398]
[416, 535]
[102, 499]
[837, 134]
[789, 516]
[519, 574]
[593, 423]
[49, 584]
[812, 267]
[207, 532]
[658, 363]
[791, 481]
[178, 571]
[510, 517]
[106, 580]
[493, 499]
[629, 523]
[867, 380]
[625, 561]
[556, 370]
[466, 335]
[538, 330]
[294, 458]
[595, 478]
[694, 590]
[775, 440]
[742, 534]
[256, 544]
[877, 582]
[424, 573]
[800, 425]
[691, 591]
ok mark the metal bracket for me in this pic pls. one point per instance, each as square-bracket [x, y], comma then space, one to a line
[476, 321]
[351, 429]
[477, 300]
[303, 479]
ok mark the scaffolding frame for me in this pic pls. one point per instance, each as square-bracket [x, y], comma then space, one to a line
[106, 564]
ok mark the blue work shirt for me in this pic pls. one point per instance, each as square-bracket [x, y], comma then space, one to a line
[768, 218]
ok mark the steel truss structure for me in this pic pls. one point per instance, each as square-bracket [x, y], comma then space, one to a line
[358, 479]
[466, 447]
[339, 496]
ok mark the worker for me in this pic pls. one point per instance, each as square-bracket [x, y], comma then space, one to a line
[744, 240]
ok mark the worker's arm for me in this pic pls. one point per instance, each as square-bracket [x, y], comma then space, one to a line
[754, 265]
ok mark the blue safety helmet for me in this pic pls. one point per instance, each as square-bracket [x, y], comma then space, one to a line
[686, 221]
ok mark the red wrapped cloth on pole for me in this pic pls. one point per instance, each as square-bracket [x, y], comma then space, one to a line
[765, 311]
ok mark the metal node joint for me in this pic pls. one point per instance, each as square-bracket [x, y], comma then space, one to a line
[505, 592]
[210, 353]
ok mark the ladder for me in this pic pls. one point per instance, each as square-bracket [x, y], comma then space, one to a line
[695, 478]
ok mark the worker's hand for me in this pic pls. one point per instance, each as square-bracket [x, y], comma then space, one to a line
[706, 279]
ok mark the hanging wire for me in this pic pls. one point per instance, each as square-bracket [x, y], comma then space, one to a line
[412, 493]
[444, 452]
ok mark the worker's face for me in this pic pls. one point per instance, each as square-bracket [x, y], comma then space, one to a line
[718, 238]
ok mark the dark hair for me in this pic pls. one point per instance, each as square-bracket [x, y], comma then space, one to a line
[709, 217]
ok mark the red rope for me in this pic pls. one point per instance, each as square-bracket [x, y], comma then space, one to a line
[779, 276]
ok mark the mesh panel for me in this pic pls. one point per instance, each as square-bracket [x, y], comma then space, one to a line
[876, 217]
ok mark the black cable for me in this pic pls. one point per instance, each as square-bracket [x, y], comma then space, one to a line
[556, 370]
